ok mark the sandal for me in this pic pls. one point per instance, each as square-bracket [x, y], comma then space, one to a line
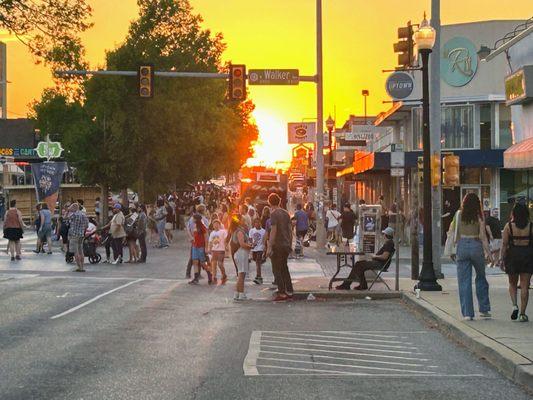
[523, 318]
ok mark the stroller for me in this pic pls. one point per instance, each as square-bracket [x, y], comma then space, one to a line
[90, 244]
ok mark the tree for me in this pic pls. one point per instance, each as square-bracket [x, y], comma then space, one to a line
[187, 132]
[49, 28]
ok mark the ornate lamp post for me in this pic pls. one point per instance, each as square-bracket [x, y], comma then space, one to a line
[330, 124]
[425, 40]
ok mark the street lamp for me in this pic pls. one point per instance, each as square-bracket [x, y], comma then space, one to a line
[330, 124]
[424, 38]
[365, 94]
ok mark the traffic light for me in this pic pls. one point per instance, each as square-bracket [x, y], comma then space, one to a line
[145, 79]
[405, 46]
[451, 170]
[435, 170]
[237, 82]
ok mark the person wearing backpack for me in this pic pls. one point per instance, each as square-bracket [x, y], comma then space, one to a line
[132, 222]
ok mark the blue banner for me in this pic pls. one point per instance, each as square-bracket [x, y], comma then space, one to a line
[47, 177]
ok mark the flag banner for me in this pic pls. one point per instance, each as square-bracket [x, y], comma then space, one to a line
[47, 177]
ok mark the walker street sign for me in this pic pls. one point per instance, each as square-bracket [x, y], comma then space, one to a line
[399, 85]
[273, 77]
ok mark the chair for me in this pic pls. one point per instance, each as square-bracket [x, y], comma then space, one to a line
[378, 272]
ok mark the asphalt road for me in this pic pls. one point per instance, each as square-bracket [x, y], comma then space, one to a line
[140, 332]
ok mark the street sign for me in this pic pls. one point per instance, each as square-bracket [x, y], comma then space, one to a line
[396, 172]
[399, 85]
[301, 132]
[273, 77]
[362, 134]
[397, 156]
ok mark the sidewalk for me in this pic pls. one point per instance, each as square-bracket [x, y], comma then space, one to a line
[506, 344]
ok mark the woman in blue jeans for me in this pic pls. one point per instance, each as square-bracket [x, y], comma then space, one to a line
[472, 245]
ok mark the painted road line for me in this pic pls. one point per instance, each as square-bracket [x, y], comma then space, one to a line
[348, 339]
[331, 346]
[346, 353]
[349, 359]
[341, 342]
[94, 299]
[250, 361]
[342, 365]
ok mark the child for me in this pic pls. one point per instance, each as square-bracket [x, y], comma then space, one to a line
[240, 242]
[217, 249]
[258, 235]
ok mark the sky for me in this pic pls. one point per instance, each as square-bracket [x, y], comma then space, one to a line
[358, 38]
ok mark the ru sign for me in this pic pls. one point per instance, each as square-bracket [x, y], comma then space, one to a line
[49, 149]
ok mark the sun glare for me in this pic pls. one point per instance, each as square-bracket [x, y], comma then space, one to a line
[271, 148]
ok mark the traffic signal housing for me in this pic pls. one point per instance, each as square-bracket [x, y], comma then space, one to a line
[145, 80]
[237, 82]
[451, 176]
[435, 170]
[405, 46]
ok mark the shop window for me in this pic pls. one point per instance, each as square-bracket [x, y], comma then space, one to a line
[485, 127]
[485, 176]
[506, 138]
[470, 176]
[457, 127]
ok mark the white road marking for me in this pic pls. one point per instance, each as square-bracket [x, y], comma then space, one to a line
[63, 295]
[95, 298]
[341, 342]
[249, 365]
[348, 339]
[349, 359]
[340, 347]
[346, 353]
[343, 365]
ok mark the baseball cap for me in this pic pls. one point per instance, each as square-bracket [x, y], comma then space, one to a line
[117, 206]
[388, 231]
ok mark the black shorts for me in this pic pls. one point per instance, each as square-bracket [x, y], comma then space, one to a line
[301, 234]
[257, 256]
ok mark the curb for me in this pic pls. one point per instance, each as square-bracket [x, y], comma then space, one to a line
[347, 294]
[511, 364]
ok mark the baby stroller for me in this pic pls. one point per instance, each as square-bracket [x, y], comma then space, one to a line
[90, 244]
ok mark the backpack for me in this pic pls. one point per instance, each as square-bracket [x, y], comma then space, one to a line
[131, 226]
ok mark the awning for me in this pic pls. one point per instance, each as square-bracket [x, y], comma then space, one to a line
[519, 155]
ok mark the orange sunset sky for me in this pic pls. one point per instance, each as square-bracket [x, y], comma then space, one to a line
[358, 37]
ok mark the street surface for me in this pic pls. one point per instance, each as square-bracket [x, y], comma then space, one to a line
[141, 332]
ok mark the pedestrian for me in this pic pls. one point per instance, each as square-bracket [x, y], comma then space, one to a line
[471, 242]
[217, 250]
[13, 230]
[131, 234]
[494, 231]
[245, 217]
[76, 233]
[37, 224]
[378, 261]
[45, 227]
[265, 216]
[161, 218]
[302, 226]
[348, 220]
[517, 258]
[2, 206]
[332, 223]
[152, 225]
[199, 249]
[169, 224]
[118, 233]
[279, 247]
[447, 216]
[142, 224]
[97, 209]
[258, 237]
[241, 255]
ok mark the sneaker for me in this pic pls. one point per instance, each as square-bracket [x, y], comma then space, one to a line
[514, 314]
[258, 280]
[117, 261]
[468, 318]
[194, 282]
[12, 258]
[79, 270]
[36, 251]
[243, 296]
[523, 318]
[485, 314]
[17, 258]
[236, 296]
[49, 253]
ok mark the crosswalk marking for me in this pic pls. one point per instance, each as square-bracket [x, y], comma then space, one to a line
[338, 353]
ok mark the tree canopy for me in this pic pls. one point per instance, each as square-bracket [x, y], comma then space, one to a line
[188, 131]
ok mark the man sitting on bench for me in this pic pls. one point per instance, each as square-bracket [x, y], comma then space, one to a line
[378, 260]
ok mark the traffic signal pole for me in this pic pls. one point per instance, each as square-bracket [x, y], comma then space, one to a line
[320, 228]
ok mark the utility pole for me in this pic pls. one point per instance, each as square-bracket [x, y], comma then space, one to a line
[320, 229]
[435, 138]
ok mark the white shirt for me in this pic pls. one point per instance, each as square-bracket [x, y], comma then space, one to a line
[217, 240]
[258, 239]
[333, 218]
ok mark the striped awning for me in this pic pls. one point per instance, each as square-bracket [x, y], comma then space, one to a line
[519, 155]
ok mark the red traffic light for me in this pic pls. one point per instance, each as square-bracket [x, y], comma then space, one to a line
[237, 82]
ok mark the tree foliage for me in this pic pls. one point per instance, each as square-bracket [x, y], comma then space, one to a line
[188, 131]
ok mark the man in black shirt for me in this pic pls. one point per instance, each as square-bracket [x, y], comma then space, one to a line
[347, 223]
[378, 260]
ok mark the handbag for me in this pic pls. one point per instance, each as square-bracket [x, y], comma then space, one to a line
[450, 247]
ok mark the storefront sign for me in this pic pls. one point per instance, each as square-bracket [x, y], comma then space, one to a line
[399, 85]
[362, 135]
[301, 132]
[17, 152]
[459, 61]
[49, 149]
[519, 86]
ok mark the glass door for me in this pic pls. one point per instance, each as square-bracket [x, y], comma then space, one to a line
[465, 189]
